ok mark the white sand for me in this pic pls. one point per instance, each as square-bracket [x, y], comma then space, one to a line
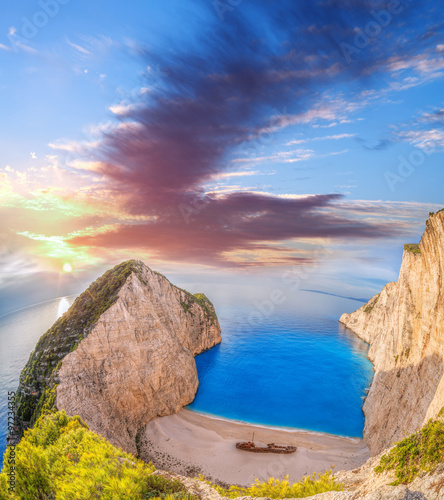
[191, 444]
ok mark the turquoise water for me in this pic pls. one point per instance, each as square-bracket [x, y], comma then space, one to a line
[302, 373]
[292, 366]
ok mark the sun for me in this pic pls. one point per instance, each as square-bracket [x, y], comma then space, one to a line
[67, 268]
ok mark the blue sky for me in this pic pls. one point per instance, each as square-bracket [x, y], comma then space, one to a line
[227, 136]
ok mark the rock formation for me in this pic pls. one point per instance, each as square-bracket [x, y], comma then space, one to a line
[122, 355]
[404, 325]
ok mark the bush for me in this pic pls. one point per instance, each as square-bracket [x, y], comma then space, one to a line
[36, 391]
[419, 452]
[61, 459]
[274, 488]
[413, 248]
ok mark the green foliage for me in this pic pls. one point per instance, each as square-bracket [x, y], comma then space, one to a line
[161, 487]
[38, 379]
[186, 306]
[206, 305]
[419, 452]
[188, 300]
[431, 214]
[274, 488]
[61, 459]
[412, 247]
[371, 304]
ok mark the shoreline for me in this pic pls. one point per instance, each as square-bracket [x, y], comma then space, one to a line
[270, 427]
[191, 443]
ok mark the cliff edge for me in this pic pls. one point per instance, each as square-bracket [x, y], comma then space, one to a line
[122, 355]
[404, 325]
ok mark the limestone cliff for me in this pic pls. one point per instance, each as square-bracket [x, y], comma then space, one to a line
[122, 355]
[404, 326]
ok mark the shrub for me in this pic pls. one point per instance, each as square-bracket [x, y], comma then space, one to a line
[412, 248]
[419, 452]
[274, 488]
[61, 459]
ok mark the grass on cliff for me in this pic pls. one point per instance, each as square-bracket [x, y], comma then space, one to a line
[412, 248]
[38, 378]
[274, 488]
[420, 452]
[61, 459]
[202, 300]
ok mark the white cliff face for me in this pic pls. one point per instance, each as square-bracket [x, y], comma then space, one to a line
[138, 361]
[404, 326]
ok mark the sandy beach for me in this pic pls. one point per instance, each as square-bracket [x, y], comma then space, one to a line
[191, 444]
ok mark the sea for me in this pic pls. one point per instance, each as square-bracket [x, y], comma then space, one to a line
[284, 361]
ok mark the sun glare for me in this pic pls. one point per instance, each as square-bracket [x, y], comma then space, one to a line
[67, 268]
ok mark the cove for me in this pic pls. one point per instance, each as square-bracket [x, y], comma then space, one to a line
[292, 370]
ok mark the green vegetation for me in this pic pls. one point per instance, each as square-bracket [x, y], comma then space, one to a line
[412, 247]
[38, 380]
[61, 459]
[274, 488]
[206, 305]
[188, 300]
[419, 452]
[371, 304]
[431, 214]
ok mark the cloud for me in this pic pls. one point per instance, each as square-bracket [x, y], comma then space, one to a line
[325, 138]
[236, 222]
[206, 103]
[425, 139]
[78, 48]
[436, 116]
[228, 175]
[124, 108]
[228, 92]
[379, 146]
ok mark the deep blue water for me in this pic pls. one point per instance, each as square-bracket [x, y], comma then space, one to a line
[305, 373]
[292, 366]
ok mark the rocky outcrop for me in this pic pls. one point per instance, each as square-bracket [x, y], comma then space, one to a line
[131, 362]
[365, 484]
[404, 326]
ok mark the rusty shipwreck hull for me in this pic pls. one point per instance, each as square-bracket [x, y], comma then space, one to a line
[270, 448]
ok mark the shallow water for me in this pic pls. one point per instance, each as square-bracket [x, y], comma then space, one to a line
[292, 366]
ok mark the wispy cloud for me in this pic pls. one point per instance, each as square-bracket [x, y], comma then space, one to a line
[425, 139]
[145, 177]
[325, 138]
[78, 48]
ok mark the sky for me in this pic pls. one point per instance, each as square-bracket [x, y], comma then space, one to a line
[215, 140]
